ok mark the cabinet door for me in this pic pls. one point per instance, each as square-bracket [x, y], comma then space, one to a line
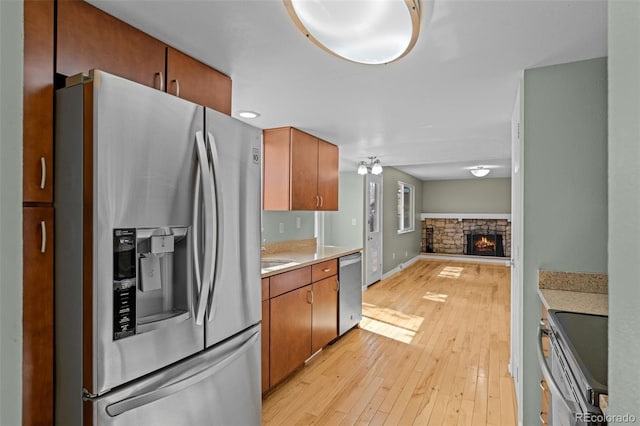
[37, 324]
[197, 82]
[325, 313]
[38, 101]
[90, 38]
[276, 157]
[304, 171]
[290, 334]
[265, 345]
[328, 164]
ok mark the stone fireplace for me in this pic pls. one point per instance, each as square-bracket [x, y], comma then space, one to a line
[467, 236]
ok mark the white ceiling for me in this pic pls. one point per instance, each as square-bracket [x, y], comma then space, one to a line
[443, 108]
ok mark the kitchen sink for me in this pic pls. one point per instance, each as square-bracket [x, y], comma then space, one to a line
[272, 263]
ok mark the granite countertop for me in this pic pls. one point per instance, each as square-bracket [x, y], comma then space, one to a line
[304, 257]
[583, 292]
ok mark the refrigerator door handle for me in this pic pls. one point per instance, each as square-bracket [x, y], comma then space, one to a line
[202, 174]
[213, 163]
[137, 401]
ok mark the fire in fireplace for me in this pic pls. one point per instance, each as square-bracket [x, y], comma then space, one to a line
[484, 244]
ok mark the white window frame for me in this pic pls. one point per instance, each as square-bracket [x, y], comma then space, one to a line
[401, 207]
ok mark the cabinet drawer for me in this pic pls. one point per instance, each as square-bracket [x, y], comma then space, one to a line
[320, 271]
[265, 289]
[282, 283]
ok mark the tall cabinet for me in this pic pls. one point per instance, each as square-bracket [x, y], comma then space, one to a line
[37, 212]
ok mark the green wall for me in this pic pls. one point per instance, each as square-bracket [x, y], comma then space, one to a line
[624, 208]
[11, 34]
[345, 227]
[403, 246]
[565, 189]
[271, 221]
[480, 195]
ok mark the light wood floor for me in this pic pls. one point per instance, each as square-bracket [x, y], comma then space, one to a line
[432, 349]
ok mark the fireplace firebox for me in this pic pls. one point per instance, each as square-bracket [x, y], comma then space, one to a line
[484, 244]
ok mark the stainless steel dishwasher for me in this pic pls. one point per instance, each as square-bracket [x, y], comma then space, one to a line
[350, 295]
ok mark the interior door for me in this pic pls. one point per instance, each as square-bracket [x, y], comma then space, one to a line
[373, 229]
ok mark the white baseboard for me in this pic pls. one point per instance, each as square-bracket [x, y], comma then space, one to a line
[466, 258]
[400, 267]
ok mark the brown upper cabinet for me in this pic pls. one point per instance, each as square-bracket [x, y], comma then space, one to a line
[300, 171]
[197, 82]
[89, 38]
[37, 105]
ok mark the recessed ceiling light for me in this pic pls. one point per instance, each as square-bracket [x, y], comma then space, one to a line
[248, 114]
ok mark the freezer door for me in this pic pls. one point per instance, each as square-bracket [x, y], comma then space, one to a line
[235, 295]
[132, 152]
[218, 387]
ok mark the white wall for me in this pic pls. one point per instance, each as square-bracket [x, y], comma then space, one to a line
[479, 195]
[624, 208]
[11, 35]
[565, 189]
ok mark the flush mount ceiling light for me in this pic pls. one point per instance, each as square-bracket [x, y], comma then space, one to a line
[479, 171]
[248, 114]
[364, 31]
[373, 167]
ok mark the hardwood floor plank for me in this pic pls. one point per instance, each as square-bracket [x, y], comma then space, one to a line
[432, 349]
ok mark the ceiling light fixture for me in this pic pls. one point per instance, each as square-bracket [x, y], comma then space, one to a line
[364, 31]
[248, 114]
[374, 166]
[479, 171]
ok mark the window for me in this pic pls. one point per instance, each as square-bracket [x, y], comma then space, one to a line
[406, 210]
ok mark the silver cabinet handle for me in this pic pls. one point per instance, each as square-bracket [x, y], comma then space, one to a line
[544, 389]
[159, 74]
[321, 200]
[326, 269]
[43, 238]
[177, 83]
[43, 172]
[310, 297]
[317, 201]
[337, 285]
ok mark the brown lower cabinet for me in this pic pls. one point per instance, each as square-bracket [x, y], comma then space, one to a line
[324, 322]
[302, 318]
[290, 334]
[37, 324]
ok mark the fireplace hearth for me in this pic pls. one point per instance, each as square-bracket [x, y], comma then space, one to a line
[450, 236]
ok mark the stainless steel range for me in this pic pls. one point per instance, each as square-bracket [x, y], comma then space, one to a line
[576, 369]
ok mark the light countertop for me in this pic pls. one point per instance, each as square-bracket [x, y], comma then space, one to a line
[583, 292]
[300, 258]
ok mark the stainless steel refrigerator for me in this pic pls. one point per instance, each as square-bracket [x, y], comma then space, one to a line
[157, 282]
